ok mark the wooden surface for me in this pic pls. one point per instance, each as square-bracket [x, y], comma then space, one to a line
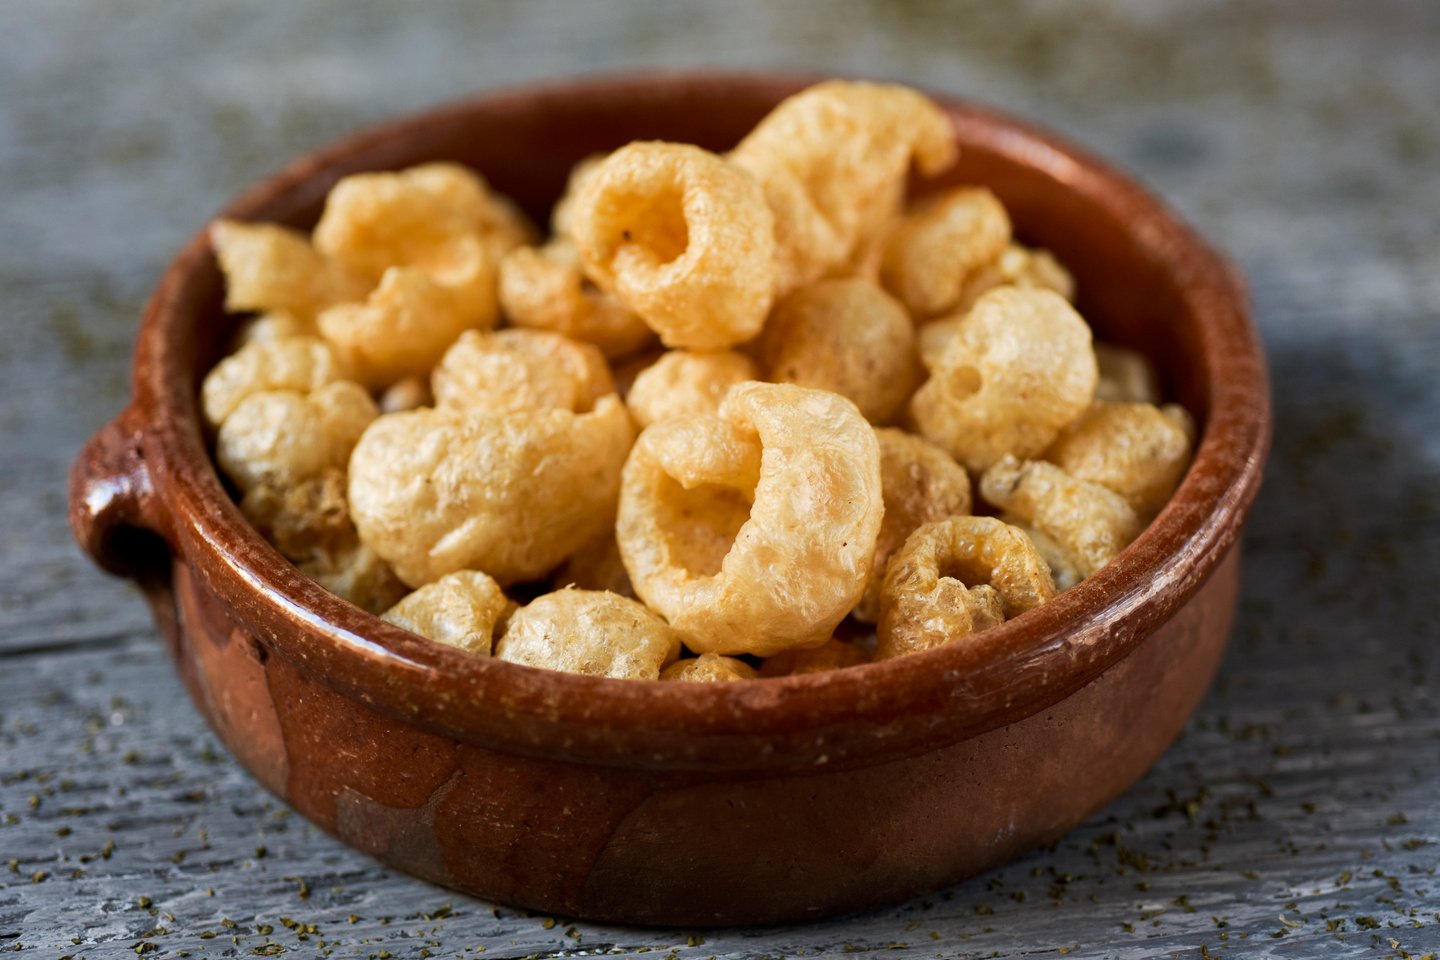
[1297, 817]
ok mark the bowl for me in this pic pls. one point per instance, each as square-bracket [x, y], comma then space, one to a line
[695, 804]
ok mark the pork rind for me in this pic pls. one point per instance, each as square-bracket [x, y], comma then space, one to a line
[847, 336]
[830, 655]
[1017, 266]
[1126, 376]
[589, 632]
[682, 383]
[935, 250]
[433, 266]
[753, 530]
[1138, 450]
[545, 288]
[462, 610]
[956, 577]
[683, 238]
[511, 370]
[1090, 523]
[377, 222]
[433, 491]
[309, 523]
[1017, 371]
[400, 331]
[833, 161]
[268, 268]
[297, 363]
[270, 326]
[921, 483]
[280, 438]
[709, 668]
[499, 223]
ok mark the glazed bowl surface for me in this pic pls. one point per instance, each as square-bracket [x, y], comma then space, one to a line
[756, 802]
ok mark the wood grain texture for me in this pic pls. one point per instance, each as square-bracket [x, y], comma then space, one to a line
[1296, 818]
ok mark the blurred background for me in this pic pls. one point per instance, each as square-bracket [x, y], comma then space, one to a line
[1297, 816]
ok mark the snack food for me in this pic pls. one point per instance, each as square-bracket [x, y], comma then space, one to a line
[394, 445]
[800, 471]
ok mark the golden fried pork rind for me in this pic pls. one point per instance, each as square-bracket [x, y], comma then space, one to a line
[1018, 370]
[682, 383]
[545, 288]
[589, 632]
[956, 577]
[296, 363]
[511, 494]
[833, 162]
[683, 238]
[432, 266]
[1090, 523]
[1126, 376]
[309, 523]
[1138, 450]
[281, 438]
[934, 251]
[844, 335]
[833, 654]
[270, 268]
[709, 668]
[753, 530]
[464, 609]
[511, 370]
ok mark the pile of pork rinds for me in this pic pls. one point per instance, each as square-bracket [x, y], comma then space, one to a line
[724, 423]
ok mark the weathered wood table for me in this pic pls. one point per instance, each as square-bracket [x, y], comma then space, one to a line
[1299, 816]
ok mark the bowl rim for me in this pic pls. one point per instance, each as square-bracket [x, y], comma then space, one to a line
[863, 714]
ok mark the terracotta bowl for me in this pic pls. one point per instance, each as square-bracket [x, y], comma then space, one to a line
[758, 802]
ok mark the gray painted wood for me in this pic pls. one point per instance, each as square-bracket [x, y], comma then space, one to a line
[1297, 817]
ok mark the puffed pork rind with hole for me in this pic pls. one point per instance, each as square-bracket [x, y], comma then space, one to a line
[683, 238]
[1018, 370]
[589, 632]
[954, 578]
[433, 491]
[793, 475]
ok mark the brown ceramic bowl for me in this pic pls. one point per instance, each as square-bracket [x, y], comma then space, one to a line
[754, 802]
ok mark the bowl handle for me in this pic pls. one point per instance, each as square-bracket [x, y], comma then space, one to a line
[116, 514]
